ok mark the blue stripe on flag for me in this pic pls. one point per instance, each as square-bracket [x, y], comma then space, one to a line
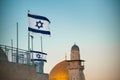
[39, 31]
[38, 17]
[38, 60]
[38, 52]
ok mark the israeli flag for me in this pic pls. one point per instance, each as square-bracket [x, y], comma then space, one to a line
[38, 56]
[38, 24]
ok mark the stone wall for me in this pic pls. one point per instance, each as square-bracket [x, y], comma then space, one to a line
[12, 71]
[43, 76]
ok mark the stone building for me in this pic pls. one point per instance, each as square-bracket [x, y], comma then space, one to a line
[13, 71]
[65, 70]
[69, 69]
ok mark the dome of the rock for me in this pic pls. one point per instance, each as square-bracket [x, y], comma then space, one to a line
[59, 72]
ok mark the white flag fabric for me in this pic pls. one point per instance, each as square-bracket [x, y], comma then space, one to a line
[38, 24]
[38, 56]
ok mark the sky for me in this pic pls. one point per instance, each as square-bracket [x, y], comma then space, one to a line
[94, 25]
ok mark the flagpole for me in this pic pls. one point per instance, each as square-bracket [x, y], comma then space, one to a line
[12, 48]
[41, 44]
[32, 47]
[28, 54]
[17, 60]
[42, 66]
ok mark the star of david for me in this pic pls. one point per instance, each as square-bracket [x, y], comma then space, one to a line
[38, 56]
[39, 24]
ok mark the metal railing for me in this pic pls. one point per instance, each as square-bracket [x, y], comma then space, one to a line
[11, 54]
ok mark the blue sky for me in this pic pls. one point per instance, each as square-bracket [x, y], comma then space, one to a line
[92, 24]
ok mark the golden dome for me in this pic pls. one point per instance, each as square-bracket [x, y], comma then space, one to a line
[59, 72]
